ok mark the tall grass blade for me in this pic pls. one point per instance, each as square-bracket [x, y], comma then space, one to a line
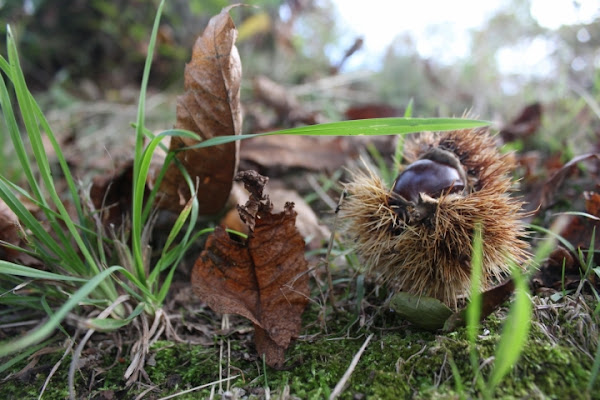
[139, 179]
[514, 333]
[361, 127]
[473, 313]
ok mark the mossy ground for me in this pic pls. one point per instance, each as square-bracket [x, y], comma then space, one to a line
[399, 362]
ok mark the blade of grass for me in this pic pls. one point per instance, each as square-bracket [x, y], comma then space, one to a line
[111, 324]
[361, 127]
[138, 183]
[42, 332]
[9, 268]
[15, 136]
[473, 313]
[28, 115]
[474, 308]
[458, 382]
[514, 333]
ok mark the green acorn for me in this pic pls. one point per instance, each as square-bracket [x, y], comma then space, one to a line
[417, 236]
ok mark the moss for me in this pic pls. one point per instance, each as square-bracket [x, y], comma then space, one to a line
[30, 384]
[400, 362]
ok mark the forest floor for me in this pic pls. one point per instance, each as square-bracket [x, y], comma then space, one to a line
[215, 354]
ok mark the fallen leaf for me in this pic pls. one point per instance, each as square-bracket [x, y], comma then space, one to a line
[210, 106]
[491, 299]
[307, 222]
[315, 154]
[263, 278]
[524, 125]
[373, 111]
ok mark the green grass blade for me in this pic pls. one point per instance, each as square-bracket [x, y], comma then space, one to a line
[60, 157]
[360, 127]
[474, 308]
[514, 333]
[138, 183]
[9, 268]
[42, 332]
[409, 109]
[28, 114]
[458, 382]
[111, 324]
[25, 217]
[473, 313]
[15, 135]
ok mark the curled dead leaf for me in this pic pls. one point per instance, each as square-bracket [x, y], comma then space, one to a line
[210, 106]
[263, 279]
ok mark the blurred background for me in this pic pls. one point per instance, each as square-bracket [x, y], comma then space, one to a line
[332, 59]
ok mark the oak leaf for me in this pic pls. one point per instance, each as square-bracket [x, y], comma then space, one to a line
[210, 106]
[263, 279]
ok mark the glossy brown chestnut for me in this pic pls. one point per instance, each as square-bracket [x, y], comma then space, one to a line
[427, 176]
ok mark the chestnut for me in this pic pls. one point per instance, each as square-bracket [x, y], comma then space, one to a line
[430, 177]
[416, 238]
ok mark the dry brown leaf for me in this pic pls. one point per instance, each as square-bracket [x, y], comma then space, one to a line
[210, 106]
[491, 299]
[263, 279]
[316, 154]
[524, 125]
[372, 111]
[307, 222]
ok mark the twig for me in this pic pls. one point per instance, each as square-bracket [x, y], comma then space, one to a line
[145, 392]
[51, 374]
[75, 360]
[339, 388]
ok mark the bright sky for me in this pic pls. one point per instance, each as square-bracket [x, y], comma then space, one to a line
[380, 21]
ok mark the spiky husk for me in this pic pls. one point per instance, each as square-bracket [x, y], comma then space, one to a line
[432, 257]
